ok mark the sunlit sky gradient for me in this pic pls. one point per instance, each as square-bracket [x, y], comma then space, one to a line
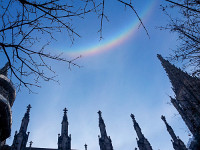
[119, 80]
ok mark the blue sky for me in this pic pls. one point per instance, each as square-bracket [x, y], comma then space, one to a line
[123, 80]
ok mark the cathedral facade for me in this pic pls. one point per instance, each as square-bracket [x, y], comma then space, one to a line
[186, 101]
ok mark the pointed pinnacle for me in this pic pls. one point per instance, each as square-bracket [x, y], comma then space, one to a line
[132, 116]
[28, 108]
[65, 114]
[85, 146]
[163, 118]
[161, 59]
[159, 56]
[99, 112]
[169, 128]
[65, 110]
[31, 142]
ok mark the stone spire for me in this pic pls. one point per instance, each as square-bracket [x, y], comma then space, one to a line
[187, 100]
[21, 138]
[188, 121]
[177, 143]
[30, 145]
[25, 120]
[64, 140]
[105, 142]
[65, 123]
[85, 146]
[102, 125]
[180, 80]
[172, 73]
[143, 143]
[4, 70]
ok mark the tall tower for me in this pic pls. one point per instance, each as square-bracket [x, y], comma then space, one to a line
[143, 143]
[187, 96]
[177, 143]
[64, 141]
[7, 98]
[105, 142]
[21, 138]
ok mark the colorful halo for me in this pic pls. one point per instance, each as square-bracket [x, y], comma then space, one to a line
[115, 41]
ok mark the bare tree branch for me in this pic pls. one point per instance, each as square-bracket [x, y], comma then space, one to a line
[187, 27]
[25, 26]
[131, 6]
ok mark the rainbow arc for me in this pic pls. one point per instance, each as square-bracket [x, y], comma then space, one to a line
[113, 42]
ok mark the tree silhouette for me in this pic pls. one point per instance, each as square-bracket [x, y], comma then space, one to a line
[25, 22]
[187, 26]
